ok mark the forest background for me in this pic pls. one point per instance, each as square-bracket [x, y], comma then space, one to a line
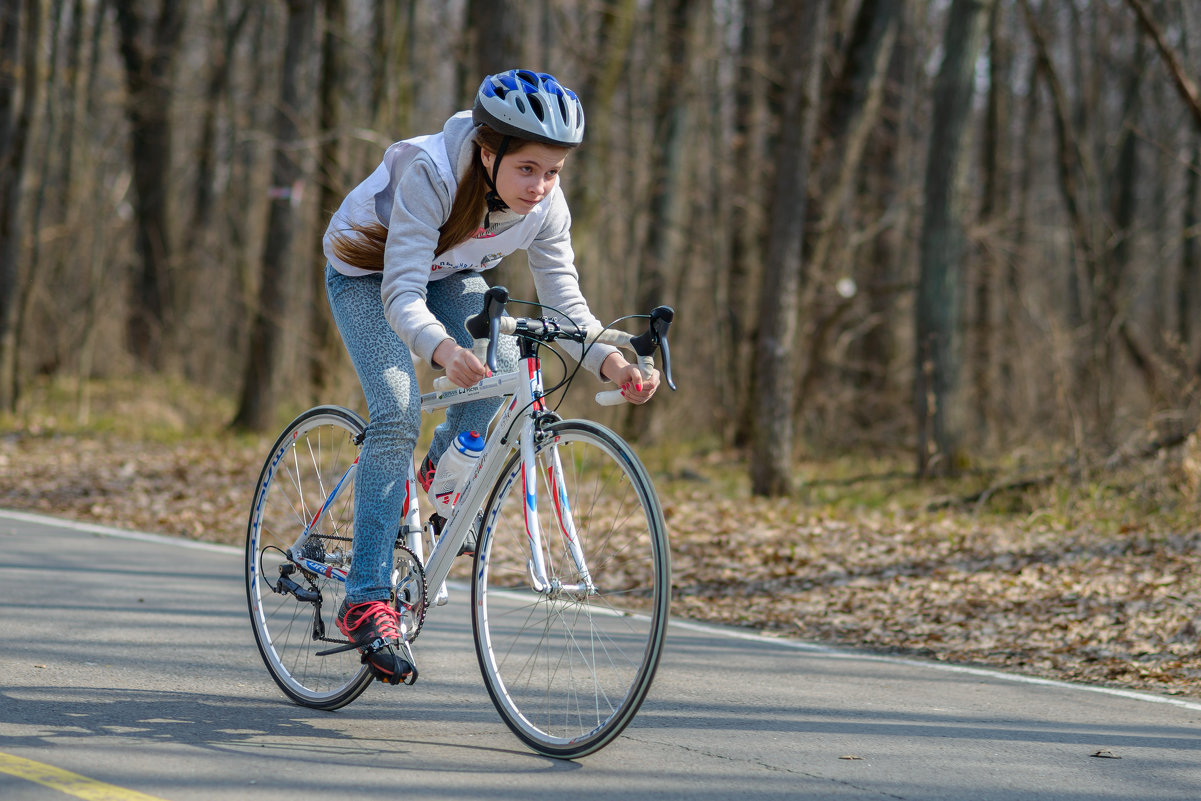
[935, 266]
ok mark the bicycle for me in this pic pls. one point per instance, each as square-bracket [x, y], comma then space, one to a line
[569, 598]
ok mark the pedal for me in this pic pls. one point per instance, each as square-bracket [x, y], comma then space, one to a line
[390, 667]
[339, 649]
[408, 657]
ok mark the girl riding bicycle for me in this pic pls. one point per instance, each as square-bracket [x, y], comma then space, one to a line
[405, 250]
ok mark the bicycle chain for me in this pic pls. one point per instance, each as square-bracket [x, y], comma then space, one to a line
[416, 610]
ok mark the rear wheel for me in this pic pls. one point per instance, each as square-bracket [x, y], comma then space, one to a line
[293, 596]
[569, 666]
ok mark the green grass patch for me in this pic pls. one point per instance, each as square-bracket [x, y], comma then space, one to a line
[159, 409]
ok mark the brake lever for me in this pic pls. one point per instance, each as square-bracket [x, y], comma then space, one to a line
[487, 322]
[656, 337]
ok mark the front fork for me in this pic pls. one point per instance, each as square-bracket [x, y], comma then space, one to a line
[542, 582]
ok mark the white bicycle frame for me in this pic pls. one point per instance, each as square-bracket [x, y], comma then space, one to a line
[524, 389]
[524, 385]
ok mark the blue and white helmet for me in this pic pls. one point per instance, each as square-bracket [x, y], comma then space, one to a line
[530, 105]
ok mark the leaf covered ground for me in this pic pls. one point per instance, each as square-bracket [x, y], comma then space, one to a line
[1098, 583]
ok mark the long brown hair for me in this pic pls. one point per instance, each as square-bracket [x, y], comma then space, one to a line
[362, 245]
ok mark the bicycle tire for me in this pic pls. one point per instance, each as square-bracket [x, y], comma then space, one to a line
[307, 463]
[568, 673]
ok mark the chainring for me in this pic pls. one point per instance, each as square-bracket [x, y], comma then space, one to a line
[409, 594]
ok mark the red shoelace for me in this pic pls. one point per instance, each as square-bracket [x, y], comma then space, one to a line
[370, 620]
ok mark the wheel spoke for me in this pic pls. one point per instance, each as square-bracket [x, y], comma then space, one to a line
[307, 463]
[568, 670]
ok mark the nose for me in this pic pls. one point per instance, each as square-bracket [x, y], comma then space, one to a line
[543, 184]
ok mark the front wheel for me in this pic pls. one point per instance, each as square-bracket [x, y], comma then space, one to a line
[568, 666]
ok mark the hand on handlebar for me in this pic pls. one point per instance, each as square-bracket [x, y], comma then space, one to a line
[462, 366]
[635, 387]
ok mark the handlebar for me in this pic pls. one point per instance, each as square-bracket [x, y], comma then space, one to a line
[492, 321]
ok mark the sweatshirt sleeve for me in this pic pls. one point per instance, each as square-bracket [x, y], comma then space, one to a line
[552, 263]
[419, 205]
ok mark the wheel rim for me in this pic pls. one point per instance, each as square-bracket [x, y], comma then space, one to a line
[313, 457]
[568, 672]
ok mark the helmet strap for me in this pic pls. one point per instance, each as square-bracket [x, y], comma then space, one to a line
[493, 197]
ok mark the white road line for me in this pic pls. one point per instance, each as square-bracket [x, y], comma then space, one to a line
[825, 651]
[108, 531]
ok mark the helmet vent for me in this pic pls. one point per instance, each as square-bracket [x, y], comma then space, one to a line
[536, 107]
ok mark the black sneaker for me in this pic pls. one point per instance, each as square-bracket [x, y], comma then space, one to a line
[374, 629]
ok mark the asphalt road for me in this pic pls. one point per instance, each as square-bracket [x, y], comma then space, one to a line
[128, 672]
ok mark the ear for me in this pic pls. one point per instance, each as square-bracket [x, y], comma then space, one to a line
[487, 157]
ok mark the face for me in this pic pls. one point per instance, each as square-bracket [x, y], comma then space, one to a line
[526, 176]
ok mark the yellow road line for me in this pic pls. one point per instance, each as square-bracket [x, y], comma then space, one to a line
[68, 782]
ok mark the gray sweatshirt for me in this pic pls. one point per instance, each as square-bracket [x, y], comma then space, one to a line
[411, 193]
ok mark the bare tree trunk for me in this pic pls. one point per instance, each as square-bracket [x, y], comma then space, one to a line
[149, 61]
[73, 101]
[938, 311]
[262, 366]
[850, 116]
[43, 191]
[1076, 173]
[1188, 280]
[1123, 208]
[993, 208]
[1180, 78]
[852, 111]
[94, 262]
[802, 35]
[1009, 362]
[1188, 293]
[394, 50]
[664, 247]
[15, 137]
[216, 87]
[1070, 157]
[332, 179]
[746, 215]
[496, 25]
[597, 93]
[885, 199]
[665, 231]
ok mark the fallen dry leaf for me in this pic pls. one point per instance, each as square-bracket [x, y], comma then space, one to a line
[1119, 606]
